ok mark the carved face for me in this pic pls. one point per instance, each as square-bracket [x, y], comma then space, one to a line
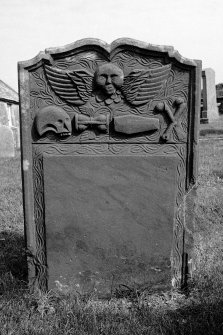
[109, 77]
[55, 119]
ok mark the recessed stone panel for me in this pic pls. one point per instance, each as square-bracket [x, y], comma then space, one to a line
[109, 219]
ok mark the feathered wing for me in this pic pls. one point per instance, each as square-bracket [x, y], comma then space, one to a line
[142, 86]
[74, 87]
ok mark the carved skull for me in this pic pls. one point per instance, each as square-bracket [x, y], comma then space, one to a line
[109, 77]
[55, 119]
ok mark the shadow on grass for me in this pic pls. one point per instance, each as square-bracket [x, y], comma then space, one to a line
[13, 262]
[204, 318]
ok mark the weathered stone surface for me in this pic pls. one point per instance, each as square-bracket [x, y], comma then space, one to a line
[106, 219]
[106, 202]
[210, 109]
[6, 142]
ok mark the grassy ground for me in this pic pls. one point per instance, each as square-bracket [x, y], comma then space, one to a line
[199, 312]
[213, 128]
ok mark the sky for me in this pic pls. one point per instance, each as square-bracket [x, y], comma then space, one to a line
[193, 27]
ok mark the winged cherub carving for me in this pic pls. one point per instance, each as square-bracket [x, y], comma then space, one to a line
[108, 85]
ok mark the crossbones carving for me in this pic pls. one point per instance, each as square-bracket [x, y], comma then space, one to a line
[163, 107]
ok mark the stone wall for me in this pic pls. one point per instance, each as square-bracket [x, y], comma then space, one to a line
[9, 114]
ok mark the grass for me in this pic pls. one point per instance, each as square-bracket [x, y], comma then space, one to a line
[12, 255]
[213, 128]
[169, 313]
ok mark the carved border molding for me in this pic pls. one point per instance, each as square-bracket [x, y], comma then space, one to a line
[107, 149]
[108, 49]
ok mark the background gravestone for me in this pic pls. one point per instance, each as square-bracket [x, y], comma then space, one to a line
[109, 152]
[210, 109]
[219, 95]
[7, 148]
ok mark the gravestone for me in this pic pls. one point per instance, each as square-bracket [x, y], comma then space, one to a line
[7, 148]
[109, 154]
[210, 108]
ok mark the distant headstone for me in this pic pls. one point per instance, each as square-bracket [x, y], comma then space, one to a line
[109, 148]
[219, 94]
[210, 108]
[7, 148]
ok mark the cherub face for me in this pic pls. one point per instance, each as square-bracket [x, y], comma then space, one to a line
[109, 77]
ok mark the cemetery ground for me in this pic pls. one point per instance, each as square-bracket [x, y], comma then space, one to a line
[196, 311]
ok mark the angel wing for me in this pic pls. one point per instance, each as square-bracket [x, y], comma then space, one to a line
[141, 86]
[74, 87]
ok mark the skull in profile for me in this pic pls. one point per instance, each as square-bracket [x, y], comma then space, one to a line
[53, 119]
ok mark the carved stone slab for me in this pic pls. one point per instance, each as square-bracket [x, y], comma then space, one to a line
[109, 143]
